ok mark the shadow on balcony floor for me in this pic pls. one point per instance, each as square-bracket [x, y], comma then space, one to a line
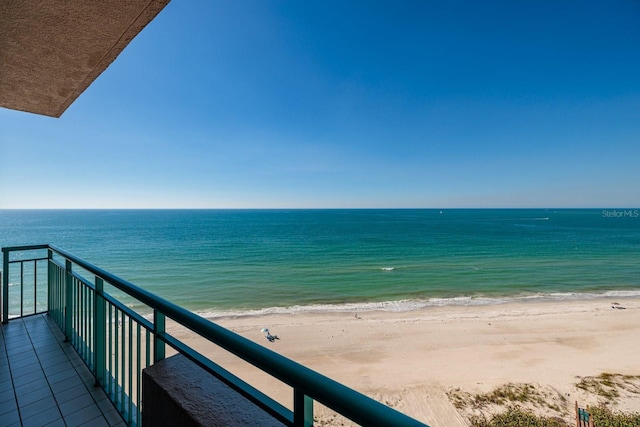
[43, 381]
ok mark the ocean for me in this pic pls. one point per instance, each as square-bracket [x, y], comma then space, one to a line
[234, 262]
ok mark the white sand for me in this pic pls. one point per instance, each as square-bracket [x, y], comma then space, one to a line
[409, 359]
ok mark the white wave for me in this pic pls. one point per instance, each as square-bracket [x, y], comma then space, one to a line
[417, 304]
[388, 268]
[622, 294]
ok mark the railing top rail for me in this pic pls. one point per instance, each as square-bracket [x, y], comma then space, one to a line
[24, 248]
[330, 393]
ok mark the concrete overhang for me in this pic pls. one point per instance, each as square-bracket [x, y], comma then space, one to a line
[52, 50]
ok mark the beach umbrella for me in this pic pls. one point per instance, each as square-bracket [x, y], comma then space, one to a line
[264, 330]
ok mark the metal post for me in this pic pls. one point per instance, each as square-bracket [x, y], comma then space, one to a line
[68, 306]
[302, 409]
[5, 287]
[35, 286]
[158, 330]
[99, 325]
[1, 299]
[49, 280]
[22, 289]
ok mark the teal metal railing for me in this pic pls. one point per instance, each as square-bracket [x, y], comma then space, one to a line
[117, 343]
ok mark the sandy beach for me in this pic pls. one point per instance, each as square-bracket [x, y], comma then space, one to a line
[410, 360]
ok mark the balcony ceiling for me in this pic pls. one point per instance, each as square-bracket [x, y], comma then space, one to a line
[52, 50]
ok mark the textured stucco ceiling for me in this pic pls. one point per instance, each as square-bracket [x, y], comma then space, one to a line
[52, 50]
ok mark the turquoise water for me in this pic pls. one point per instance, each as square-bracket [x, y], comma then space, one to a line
[230, 261]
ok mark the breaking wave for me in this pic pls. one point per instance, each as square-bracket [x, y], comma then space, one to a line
[417, 304]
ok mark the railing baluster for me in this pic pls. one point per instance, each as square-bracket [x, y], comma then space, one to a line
[68, 301]
[2, 298]
[98, 332]
[130, 383]
[138, 374]
[88, 315]
[51, 284]
[50, 304]
[21, 289]
[116, 344]
[110, 345]
[90, 325]
[79, 312]
[122, 362]
[158, 329]
[5, 286]
[75, 314]
[82, 319]
[302, 409]
[147, 353]
[60, 296]
[35, 287]
[79, 316]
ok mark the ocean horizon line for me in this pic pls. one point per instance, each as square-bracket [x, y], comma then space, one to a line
[443, 208]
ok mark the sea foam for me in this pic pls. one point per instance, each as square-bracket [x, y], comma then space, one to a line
[418, 304]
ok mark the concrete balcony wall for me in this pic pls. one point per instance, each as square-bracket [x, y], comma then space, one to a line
[177, 392]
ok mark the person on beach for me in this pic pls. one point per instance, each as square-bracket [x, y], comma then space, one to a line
[268, 335]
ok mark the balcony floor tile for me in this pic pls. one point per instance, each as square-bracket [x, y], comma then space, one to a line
[47, 384]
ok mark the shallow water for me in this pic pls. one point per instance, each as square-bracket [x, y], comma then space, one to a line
[234, 261]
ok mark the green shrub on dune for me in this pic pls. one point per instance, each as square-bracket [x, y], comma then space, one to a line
[515, 417]
[604, 417]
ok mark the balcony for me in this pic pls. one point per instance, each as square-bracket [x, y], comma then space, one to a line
[49, 384]
[70, 322]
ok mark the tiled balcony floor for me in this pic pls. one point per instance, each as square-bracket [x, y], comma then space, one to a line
[43, 381]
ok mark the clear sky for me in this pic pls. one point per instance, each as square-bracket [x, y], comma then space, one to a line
[269, 104]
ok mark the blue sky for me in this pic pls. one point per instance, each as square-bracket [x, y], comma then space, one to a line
[283, 104]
